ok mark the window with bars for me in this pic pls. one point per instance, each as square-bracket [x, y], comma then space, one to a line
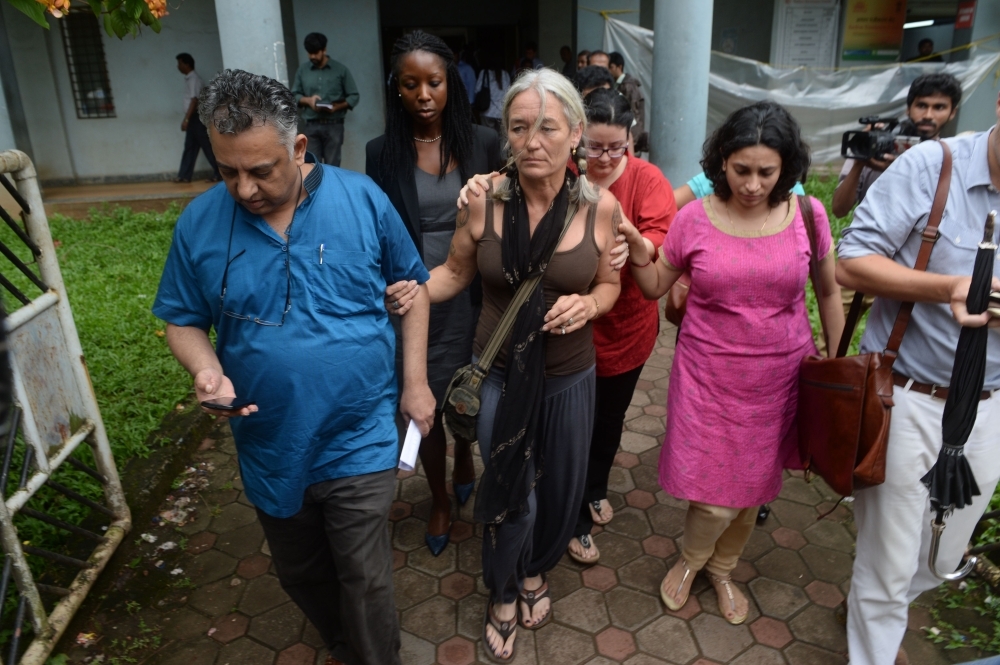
[88, 68]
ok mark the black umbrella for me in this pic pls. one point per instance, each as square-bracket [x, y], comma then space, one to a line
[950, 481]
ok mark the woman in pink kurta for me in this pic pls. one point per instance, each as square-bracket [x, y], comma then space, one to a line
[734, 381]
[733, 386]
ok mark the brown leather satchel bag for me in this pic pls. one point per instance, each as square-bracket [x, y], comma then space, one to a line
[845, 403]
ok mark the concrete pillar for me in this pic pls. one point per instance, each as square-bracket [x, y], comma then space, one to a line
[682, 32]
[978, 112]
[252, 37]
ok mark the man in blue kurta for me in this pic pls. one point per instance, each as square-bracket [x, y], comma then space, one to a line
[287, 262]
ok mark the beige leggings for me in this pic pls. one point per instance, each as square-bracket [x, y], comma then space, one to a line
[714, 536]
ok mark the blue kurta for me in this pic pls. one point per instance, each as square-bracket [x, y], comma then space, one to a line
[324, 379]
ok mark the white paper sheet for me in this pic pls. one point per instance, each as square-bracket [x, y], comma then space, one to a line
[411, 446]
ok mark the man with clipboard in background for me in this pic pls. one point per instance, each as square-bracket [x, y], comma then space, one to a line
[324, 91]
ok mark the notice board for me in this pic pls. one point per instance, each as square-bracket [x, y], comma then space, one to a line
[804, 33]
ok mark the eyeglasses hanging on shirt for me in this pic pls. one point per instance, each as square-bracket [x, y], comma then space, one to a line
[225, 279]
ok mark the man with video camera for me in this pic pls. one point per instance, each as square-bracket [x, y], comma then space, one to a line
[930, 104]
[877, 256]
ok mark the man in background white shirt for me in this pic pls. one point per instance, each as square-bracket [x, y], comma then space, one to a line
[196, 136]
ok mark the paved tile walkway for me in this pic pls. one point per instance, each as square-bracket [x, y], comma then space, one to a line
[231, 609]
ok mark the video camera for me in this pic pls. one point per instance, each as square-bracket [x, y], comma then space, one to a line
[887, 137]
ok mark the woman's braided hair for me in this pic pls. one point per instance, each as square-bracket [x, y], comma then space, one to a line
[398, 152]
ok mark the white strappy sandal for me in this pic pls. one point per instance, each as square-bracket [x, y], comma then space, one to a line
[672, 604]
[727, 583]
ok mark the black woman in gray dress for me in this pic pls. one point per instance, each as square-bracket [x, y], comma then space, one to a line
[429, 149]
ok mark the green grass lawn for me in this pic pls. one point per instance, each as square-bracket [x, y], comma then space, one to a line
[111, 263]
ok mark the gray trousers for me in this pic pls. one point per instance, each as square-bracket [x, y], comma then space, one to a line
[334, 559]
[325, 141]
[532, 543]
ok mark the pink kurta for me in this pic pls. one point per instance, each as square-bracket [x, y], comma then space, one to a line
[733, 386]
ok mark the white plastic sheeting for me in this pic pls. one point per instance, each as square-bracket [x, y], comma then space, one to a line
[826, 103]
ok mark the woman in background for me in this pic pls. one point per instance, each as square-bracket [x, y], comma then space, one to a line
[430, 147]
[497, 79]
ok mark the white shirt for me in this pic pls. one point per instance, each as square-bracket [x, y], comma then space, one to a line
[889, 223]
[192, 87]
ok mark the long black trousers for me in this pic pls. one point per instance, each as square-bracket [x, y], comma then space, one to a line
[532, 542]
[614, 394]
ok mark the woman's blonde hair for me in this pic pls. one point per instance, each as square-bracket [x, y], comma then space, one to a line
[545, 81]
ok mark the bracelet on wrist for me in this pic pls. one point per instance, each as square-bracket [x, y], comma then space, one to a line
[642, 265]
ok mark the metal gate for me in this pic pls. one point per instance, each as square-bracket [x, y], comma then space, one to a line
[55, 412]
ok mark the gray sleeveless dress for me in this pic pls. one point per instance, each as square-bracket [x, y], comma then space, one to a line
[452, 323]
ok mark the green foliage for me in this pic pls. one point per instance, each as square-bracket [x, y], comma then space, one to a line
[120, 17]
[822, 188]
[970, 594]
[33, 10]
[111, 264]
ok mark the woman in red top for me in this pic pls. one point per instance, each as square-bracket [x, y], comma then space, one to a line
[625, 336]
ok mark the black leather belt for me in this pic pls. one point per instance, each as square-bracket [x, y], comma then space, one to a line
[938, 392]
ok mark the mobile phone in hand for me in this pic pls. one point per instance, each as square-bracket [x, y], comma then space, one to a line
[228, 403]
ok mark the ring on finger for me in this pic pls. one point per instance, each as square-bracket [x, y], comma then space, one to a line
[570, 320]
[563, 328]
[395, 304]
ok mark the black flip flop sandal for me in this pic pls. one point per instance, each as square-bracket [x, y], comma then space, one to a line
[532, 598]
[586, 542]
[504, 629]
[595, 508]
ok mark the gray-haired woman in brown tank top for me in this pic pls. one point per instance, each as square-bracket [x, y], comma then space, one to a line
[537, 403]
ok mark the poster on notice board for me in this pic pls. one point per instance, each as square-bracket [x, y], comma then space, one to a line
[873, 30]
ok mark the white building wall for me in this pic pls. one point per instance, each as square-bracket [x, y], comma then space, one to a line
[354, 39]
[144, 139]
[32, 63]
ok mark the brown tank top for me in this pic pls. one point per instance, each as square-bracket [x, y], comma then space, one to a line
[571, 271]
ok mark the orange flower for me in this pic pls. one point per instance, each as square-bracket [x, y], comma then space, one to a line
[157, 8]
[55, 7]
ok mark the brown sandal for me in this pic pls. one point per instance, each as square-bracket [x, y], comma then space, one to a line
[674, 605]
[504, 629]
[532, 598]
[727, 583]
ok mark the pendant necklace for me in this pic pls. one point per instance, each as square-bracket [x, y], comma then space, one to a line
[730, 219]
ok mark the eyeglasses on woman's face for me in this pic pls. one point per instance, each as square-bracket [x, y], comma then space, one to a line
[596, 151]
